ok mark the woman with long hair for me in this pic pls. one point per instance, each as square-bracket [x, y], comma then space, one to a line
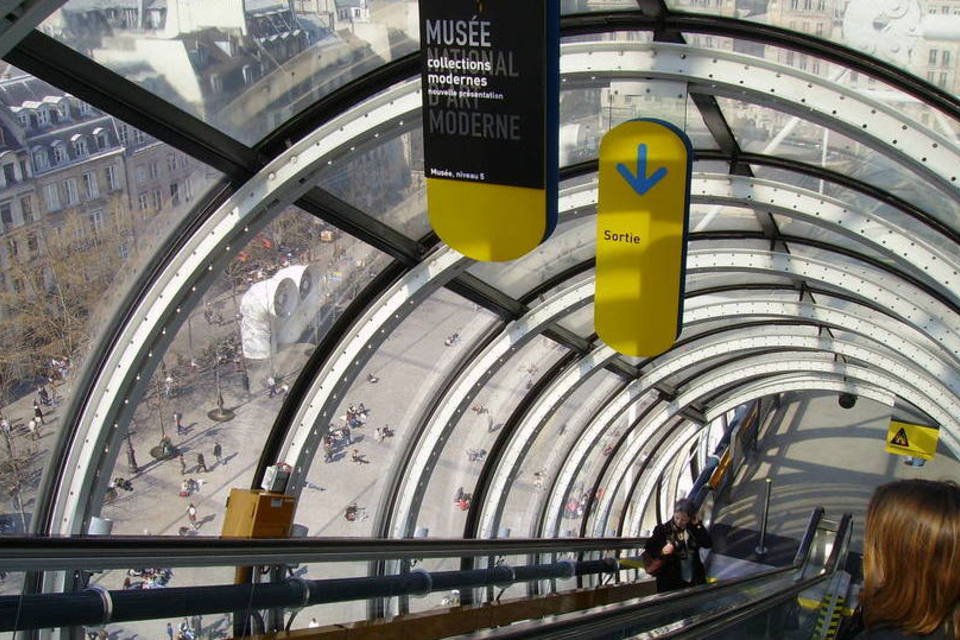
[911, 562]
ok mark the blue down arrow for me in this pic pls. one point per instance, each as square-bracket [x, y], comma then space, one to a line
[640, 182]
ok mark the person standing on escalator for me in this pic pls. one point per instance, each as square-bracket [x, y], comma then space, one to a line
[677, 543]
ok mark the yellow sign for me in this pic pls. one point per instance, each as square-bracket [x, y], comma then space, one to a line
[642, 211]
[914, 440]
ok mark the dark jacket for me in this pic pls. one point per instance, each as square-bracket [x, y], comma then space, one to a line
[670, 576]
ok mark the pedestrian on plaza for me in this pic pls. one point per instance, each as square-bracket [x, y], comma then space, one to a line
[201, 463]
[178, 420]
[192, 516]
[5, 426]
[183, 466]
[43, 395]
[218, 453]
[313, 623]
[38, 412]
[33, 428]
[358, 457]
[169, 631]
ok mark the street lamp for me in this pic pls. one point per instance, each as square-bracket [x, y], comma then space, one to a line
[221, 413]
[131, 456]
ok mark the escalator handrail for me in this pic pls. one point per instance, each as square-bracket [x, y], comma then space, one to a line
[717, 622]
[609, 617]
[806, 542]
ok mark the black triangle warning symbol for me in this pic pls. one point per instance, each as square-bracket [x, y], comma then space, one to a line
[901, 438]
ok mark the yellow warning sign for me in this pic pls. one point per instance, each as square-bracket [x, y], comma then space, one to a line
[916, 440]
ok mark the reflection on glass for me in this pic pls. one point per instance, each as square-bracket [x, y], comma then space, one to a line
[913, 38]
[84, 200]
[385, 181]
[767, 131]
[238, 352]
[379, 414]
[547, 452]
[452, 486]
[243, 67]
[586, 114]
[572, 243]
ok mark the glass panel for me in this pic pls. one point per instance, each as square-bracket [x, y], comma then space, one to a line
[802, 229]
[581, 495]
[455, 475]
[580, 321]
[858, 202]
[572, 243]
[410, 367]
[758, 130]
[232, 347]
[85, 201]
[587, 113]
[733, 279]
[243, 67]
[716, 217]
[385, 181]
[912, 41]
[549, 450]
[586, 6]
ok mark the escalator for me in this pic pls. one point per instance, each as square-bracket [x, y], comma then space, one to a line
[759, 606]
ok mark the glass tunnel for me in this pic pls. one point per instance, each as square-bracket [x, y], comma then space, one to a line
[217, 273]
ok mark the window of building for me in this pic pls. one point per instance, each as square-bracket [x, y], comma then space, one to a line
[174, 194]
[90, 188]
[80, 147]
[103, 141]
[32, 244]
[154, 168]
[14, 251]
[59, 153]
[124, 251]
[96, 219]
[113, 180]
[9, 173]
[24, 119]
[26, 208]
[73, 194]
[945, 59]
[820, 29]
[122, 134]
[85, 109]
[138, 136]
[40, 159]
[143, 201]
[51, 197]
[183, 161]
[42, 117]
[942, 80]
[932, 56]
[6, 214]
[141, 172]
[156, 199]
[171, 163]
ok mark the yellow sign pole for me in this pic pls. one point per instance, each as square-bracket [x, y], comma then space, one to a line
[642, 212]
